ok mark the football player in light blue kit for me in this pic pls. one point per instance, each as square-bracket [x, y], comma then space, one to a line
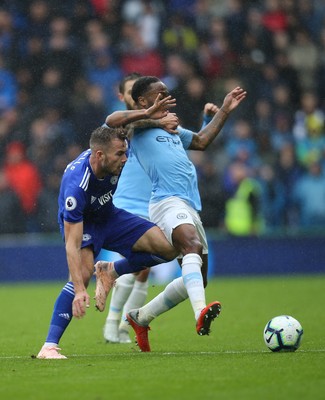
[130, 290]
[132, 194]
[89, 222]
[174, 206]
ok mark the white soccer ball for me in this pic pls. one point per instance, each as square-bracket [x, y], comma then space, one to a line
[283, 333]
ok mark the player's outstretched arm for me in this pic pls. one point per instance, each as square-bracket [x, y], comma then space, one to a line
[158, 110]
[202, 140]
[169, 123]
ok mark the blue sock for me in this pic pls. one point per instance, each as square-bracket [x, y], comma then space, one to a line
[137, 262]
[62, 314]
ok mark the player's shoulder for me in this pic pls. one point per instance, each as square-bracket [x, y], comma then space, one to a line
[79, 164]
[78, 171]
[147, 131]
[184, 131]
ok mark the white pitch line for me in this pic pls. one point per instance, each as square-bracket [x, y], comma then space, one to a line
[192, 353]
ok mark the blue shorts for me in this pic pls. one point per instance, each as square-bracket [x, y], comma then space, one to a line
[119, 233]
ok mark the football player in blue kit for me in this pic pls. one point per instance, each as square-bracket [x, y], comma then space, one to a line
[89, 221]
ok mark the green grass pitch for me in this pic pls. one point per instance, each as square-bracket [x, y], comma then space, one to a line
[231, 363]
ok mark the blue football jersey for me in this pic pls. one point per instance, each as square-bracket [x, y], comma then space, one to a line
[83, 197]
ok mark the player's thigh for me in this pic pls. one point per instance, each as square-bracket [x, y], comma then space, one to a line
[186, 239]
[154, 241]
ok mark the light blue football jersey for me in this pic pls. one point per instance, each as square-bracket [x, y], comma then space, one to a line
[163, 157]
[134, 189]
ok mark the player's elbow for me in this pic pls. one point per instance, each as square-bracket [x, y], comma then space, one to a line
[198, 143]
[113, 120]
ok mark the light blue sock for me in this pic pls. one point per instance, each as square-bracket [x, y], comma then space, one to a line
[62, 314]
[193, 281]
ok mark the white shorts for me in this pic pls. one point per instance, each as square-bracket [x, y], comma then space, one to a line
[169, 213]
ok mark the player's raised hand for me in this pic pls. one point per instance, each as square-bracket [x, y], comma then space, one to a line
[160, 107]
[233, 99]
[210, 109]
[80, 302]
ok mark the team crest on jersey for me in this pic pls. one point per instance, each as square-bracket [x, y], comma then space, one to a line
[86, 237]
[70, 203]
[114, 180]
[181, 216]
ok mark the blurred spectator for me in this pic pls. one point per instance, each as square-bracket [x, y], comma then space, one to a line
[185, 7]
[288, 172]
[263, 113]
[281, 134]
[309, 193]
[236, 23]
[212, 196]
[11, 213]
[10, 130]
[178, 36]
[215, 56]
[202, 17]
[178, 69]
[274, 18]
[311, 17]
[102, 69]
[243, 208]
[62, 53]
[24, 178]
[7, 36]
[89, 113]
[38, 18]
[191, 96]
[312, 147]
[82, 12]
[257, 39]
[272, 198]
[47, 202]
[309, 106]
[8, 88]
[51, 92]
[241, 145]
[304, 57]
[40, 148]
[136, 55]
[281, 100]
[321, 70]
[34, 58]
[147, 15]
[288, 76]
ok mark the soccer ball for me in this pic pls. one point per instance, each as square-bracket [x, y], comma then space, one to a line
[283, 333]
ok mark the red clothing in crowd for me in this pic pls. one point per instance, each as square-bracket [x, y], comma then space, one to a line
[23, 176]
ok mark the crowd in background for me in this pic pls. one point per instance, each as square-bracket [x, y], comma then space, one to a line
[60, 65]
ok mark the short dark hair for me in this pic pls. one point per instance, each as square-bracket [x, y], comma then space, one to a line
[103, 135]
[142, 86]
[130, 77]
